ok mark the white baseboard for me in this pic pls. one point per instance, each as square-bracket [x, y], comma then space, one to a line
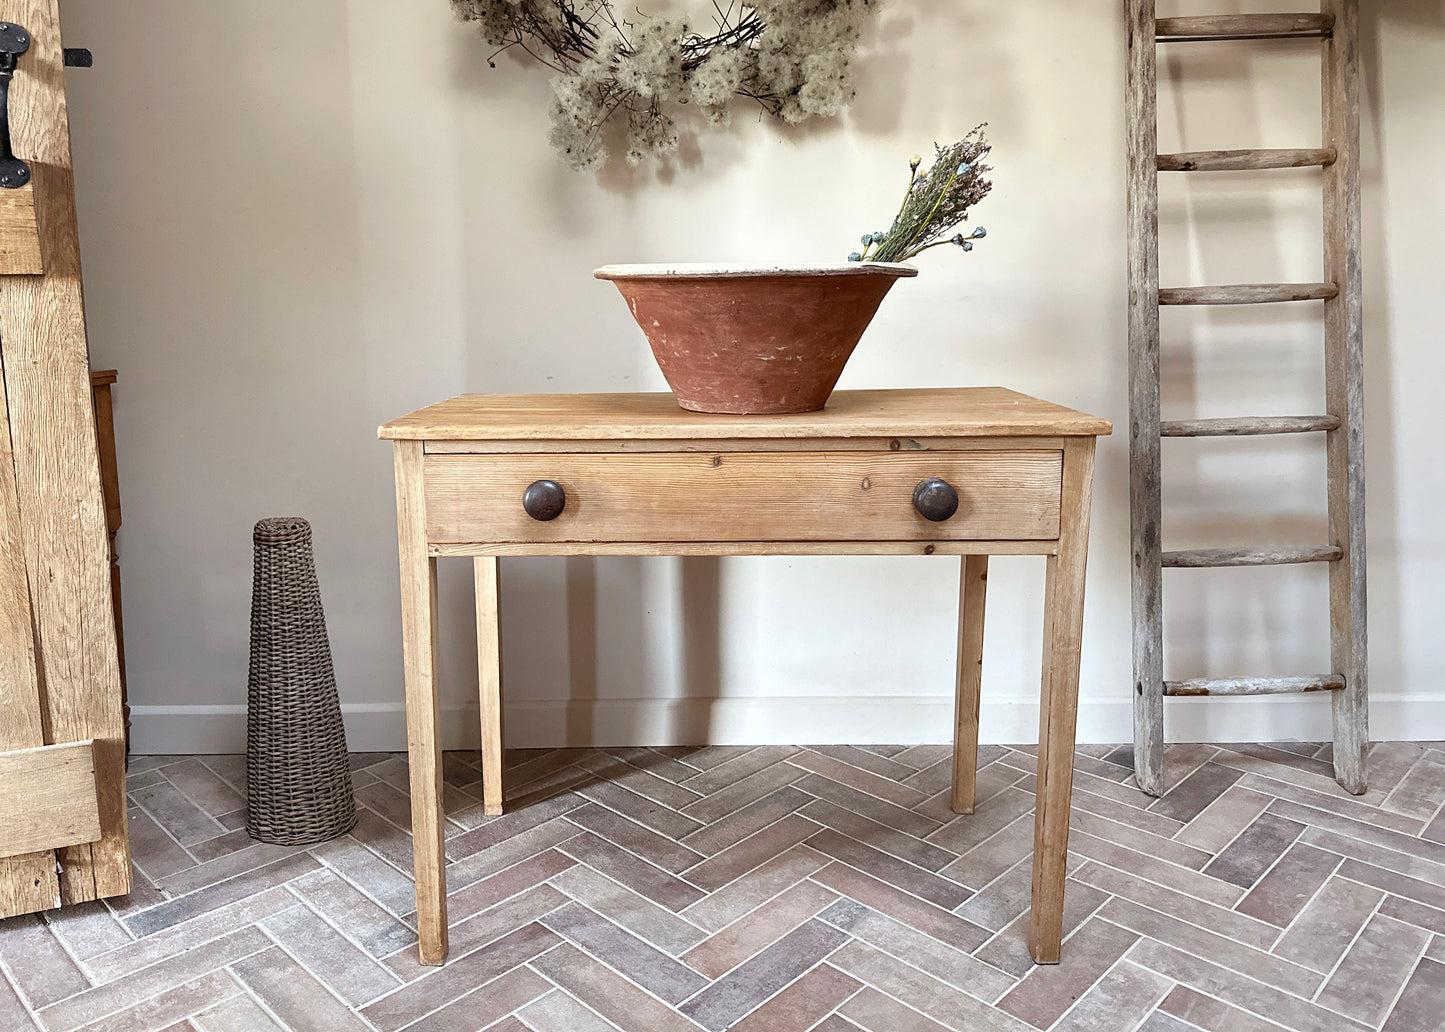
[381, 727]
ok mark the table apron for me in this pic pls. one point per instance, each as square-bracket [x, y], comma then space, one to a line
[741, 548]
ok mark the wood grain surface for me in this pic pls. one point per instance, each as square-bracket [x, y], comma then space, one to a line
[423, 728]
[47, 798]
[19, 232]
[1254, 685]
[1345, 394]
[1146, 534]
[928, 412]
[968, 681]
[1247, 294]
[27, 882]
[57, 469]
[1244, 26]
[1202, 558]
[1247, 426]
[1244, 160]
[485, 570]
[919, 546]
[1059, 702]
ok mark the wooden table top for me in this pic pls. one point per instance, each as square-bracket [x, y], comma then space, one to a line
[926, 412]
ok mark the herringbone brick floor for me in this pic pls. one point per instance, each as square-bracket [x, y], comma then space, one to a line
[770, 890]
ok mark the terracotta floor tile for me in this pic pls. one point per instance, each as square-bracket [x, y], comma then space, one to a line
[1043, 995]
[749, 985]
[649, 967]
[758, 929]
[1244, 861]
[1374, 969]
[803, 1003]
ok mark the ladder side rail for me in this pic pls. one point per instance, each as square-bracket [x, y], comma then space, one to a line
[1146, 540]
[1344, 392]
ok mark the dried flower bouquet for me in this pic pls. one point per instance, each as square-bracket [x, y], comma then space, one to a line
[935, 203]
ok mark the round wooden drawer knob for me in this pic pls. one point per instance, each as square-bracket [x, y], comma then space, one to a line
[544, 500]
[935, 499]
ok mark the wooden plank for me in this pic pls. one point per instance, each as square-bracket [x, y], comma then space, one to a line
[934, 547]
[27, 883]
[1345, 393]
[100, 383]
[1198, 558]
[1197, 28]
[796, 496]
[1059, 703]
[972, 593]
[927, 412]
[1146, 542]
[1247, 294]
[1254, 685]
[1247, 426]
[1244, 160]
[423, 729]
[19, 232]
[489, 679]
[52, 425]
[47, 798]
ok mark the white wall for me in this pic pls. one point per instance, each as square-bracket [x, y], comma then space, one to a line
[300, 220]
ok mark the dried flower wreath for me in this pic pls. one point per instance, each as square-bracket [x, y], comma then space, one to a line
[792, 57]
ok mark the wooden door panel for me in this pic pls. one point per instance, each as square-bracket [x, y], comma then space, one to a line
[70, 691]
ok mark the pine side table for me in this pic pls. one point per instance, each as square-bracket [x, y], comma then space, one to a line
[971, 472]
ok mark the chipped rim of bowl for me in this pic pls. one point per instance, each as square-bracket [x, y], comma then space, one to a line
[740, 270]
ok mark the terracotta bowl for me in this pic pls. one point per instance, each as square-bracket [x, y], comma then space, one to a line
[747, 339]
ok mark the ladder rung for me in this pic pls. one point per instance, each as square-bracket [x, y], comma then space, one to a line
[1243, 160]
[1247, 426]
[1247, 294]
[1202, 557]
[1201, 28]
[1255, 685]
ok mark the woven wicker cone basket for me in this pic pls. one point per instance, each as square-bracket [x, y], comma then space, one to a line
[298, 777]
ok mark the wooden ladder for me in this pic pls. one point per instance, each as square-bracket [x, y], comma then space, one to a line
[1336, 27]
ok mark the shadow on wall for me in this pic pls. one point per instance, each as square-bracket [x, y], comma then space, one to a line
[695, 652]
[1386, 590]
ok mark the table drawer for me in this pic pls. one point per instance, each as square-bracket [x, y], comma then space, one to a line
[1006, 495]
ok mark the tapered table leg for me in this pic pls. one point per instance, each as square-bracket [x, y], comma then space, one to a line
[971, 593]
[418, 629]
[489, 668]
[1059, 702]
